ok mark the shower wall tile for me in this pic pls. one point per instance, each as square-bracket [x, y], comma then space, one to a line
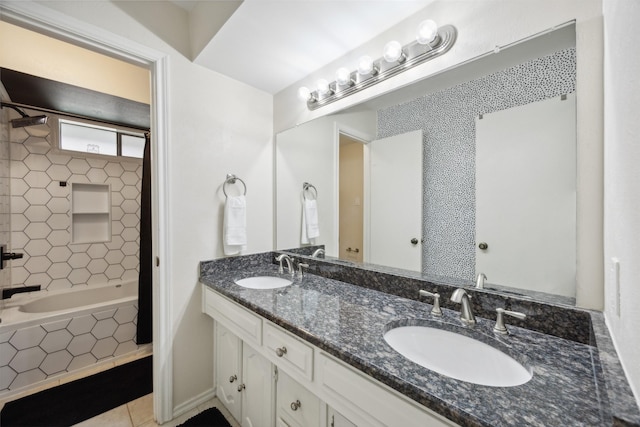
[447, 119]
[40, 217]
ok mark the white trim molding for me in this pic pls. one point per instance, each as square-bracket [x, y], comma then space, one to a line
[39, 18]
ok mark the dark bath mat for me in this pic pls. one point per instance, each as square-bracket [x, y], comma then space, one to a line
[211, 417]
[82, 399]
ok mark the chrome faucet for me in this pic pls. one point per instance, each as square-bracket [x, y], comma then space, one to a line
[288, 260]
[461, 296]
[317, 253]
[480, 281]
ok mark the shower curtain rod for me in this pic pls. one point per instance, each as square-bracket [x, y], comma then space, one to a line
[71, 115]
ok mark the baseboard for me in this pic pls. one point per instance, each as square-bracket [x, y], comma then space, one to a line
[185, 407]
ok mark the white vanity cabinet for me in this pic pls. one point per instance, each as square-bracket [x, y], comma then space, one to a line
[336, 419]
[313, 388]
[244, 382]
[296, 406]
[228, 369]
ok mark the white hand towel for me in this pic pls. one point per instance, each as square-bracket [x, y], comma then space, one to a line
[310, 227]
[234, 227]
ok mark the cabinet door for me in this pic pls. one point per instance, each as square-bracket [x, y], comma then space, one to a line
[335, 419]
[257, 393]
[228, 365]
[295, 404]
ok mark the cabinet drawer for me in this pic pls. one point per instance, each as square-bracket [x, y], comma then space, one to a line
[297, 406]
[291, 353]
[370, 402]
[244, 323]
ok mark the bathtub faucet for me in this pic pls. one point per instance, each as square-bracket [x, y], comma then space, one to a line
[8, 292]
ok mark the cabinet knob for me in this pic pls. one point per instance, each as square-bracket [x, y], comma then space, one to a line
[295, 405]
[483, 246]
[232, 378]
[241, 387]
[281, 351]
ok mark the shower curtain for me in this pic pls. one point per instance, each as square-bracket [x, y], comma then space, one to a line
[145, 332]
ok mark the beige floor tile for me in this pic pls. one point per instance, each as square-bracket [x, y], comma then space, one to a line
[141, 410]
[151, 423]
[118, 417]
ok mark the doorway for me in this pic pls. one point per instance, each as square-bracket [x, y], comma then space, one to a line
[38, 18]
[351, 198]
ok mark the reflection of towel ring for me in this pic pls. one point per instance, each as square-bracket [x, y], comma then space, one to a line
[231, 179]
[309, 187]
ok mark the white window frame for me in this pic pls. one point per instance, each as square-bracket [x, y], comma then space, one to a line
[119, 130]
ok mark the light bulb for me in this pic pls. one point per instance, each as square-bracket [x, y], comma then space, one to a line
[304, 93]
[392, 51]
[427, 32]
[343, 76]
[365, 65]
[323, 86]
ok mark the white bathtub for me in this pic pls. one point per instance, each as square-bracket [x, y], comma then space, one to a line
[50, 333]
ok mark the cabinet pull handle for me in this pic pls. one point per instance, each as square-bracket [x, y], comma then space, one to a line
[295, 405]
[232, 378]
[241, 387]
[281, 351]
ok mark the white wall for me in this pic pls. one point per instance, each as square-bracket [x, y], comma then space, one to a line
[481, 26]
[217, 126]
[622, 180]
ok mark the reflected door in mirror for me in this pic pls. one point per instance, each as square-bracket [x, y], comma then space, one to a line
[526, 196]
[395, 189]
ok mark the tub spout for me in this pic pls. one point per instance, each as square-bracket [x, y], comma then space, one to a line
[8, 292]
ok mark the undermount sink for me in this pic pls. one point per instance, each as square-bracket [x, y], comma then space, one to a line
[457, 356]
[263, 282]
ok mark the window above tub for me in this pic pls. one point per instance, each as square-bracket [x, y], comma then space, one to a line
[82, 137]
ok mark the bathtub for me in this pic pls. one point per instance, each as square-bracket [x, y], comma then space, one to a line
[48, 334]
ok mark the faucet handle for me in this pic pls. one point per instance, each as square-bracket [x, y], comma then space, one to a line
[300, 271]
[435, 311]
[500, 327]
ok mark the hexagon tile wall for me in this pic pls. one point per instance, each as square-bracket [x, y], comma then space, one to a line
[40, 214]
[35, 353]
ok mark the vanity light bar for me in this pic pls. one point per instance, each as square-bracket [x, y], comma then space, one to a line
[370, 72]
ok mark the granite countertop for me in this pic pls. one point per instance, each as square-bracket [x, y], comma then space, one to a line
[349, 321]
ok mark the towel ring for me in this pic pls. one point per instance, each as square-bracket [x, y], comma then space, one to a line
[231, 179]
[309, 187]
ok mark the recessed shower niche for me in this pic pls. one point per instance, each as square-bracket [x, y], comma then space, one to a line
[90, 213]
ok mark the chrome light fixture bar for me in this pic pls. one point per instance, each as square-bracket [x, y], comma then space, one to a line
[395, 60]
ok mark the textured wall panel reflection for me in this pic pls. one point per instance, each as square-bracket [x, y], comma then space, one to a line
[447, 120]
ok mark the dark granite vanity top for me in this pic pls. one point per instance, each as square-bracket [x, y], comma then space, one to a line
[573, 384]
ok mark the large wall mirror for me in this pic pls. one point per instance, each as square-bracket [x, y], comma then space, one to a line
[469, 172]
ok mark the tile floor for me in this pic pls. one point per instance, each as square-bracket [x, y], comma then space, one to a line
[139, 413]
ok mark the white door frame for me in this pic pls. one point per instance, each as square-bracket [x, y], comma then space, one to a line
[43, 20]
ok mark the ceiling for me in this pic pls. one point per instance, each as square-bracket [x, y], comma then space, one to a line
[271, 44]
